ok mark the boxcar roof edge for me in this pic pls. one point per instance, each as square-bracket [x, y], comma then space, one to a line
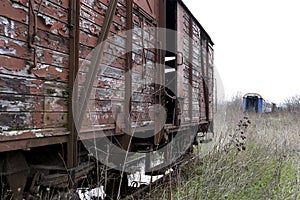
[196, 20]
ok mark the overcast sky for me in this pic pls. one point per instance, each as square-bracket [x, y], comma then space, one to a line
[257, 44]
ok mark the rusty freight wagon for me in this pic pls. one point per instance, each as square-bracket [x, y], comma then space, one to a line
[75, 73]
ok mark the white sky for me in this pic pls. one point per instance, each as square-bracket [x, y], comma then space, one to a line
[257, 44]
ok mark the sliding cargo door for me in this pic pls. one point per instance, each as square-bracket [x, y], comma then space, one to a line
[107, 96]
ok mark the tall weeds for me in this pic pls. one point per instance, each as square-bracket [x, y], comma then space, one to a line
[252, 156]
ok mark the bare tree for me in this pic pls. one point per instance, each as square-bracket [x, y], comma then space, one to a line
[292, 103]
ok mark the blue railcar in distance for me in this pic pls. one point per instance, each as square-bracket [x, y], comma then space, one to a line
[253, 102]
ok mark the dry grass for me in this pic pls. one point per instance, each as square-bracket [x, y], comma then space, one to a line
[256, 160]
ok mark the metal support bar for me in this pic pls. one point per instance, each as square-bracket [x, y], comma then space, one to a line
[97, 55]
[206, 100]
[32, 31]
[207, 83]
[191, 69]
[73, 69]
[124, 140]
[202, 69]
[160, 71]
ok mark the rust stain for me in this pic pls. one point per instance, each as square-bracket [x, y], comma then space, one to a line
[54, 119]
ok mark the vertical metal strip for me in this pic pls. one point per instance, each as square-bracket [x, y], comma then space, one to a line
[207, 82]
[128, 68]
[191, 68]
[202, 72]
[212, 85]
[201, 53]
[207, 61]
[160, 71]
[124, 140]
[74, 16]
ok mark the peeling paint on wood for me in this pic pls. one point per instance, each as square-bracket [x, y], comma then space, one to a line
[20, 103]
[13, 11]
[34, 93]
[28, 134]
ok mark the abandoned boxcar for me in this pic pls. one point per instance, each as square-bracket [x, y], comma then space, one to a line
[253, 102]
[150, 80]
